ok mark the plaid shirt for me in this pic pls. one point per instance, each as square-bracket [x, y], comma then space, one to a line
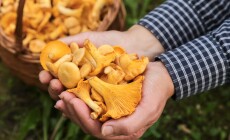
[196, 37]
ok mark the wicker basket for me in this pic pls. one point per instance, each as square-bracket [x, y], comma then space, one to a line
[24, 64]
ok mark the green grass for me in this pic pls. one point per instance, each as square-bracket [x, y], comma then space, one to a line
[28, 113]
[139, 8]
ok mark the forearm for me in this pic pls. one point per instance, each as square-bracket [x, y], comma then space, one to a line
[176, 22]
[201, 64]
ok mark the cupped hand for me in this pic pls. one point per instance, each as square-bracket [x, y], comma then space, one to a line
[135, 40]
[157, 89]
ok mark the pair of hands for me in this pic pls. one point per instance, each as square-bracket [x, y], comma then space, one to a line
[157, 87]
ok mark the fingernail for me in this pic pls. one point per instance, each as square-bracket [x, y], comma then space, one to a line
[107, 130]
[60, 96]
[57, 105]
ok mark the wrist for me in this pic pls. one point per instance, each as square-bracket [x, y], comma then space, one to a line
[146, 43]
[164, 79]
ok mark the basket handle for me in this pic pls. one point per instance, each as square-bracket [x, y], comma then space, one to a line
[19, 27]
[122, 16]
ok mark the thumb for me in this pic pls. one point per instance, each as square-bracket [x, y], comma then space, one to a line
[126, 125]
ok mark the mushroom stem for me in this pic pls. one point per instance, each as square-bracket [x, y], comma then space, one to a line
[101, 60]
[85, 70]
[92, 105]
[113, 74]
[53, 67]
[78, 55]
[82, 91]
[95, 115]
[74, 47]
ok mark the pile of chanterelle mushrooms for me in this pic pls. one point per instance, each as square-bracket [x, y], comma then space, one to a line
[47, 20]
[106, 78]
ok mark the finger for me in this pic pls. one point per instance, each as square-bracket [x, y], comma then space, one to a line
[60, 105]
[81, 110]
[131, 137]
[55, 88]
[45, 77]
[66, 97]
[134, 136]
[140, 132]
[146, 113]
[90, 126]
[127, 125]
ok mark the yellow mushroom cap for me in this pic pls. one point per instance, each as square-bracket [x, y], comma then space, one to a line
[52, 52]
[8, 19]
[120, 100]
[70, 12]
[132, 66]
[105, 49]
[36, 45]
[69, 74]
[119, 50]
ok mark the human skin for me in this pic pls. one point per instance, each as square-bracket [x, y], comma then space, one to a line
[157, 87]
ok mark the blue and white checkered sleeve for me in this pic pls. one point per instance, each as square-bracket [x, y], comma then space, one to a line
[175, 22]
[200, 64]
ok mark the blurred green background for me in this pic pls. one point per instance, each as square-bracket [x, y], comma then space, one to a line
[26, 113]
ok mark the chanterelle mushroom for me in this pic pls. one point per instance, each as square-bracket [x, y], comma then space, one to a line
[85, 70]
[69, 74]
[104, 49]
[82, 91]
[36, 45]
[100, 60]
[53, 67]
[52, 52]
[95, 96]
[132, 67]
[120, 100]
[113, 74]
[94, 17]
[7, 20]
[113, 87]
[78, 55]
[70, 12]
[45, 3]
